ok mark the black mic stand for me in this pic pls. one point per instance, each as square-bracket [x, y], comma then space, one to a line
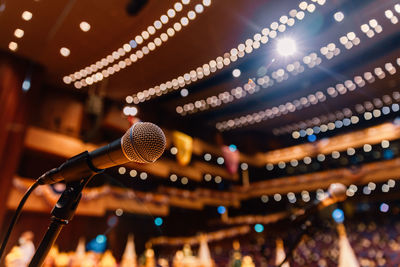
[63, 211]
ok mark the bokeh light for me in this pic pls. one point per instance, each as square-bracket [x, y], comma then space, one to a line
[338, 215]
[221, 209]
[259, 228]
[286, 47]
[158, 221]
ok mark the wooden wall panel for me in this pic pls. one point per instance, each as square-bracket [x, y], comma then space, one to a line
[14, 115]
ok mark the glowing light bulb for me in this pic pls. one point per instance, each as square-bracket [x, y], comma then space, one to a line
[286, 47]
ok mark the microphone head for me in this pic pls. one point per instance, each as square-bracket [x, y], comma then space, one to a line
[144, 142]
[337, 192]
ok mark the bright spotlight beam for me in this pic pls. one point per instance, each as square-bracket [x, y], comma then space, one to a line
[286, 47]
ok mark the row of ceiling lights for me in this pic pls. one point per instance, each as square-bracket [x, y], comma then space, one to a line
[19, 33]
[294, 162]
[376, 113]
[139, 39]
[305, 102]
[329, 51]
[331, 121]
[133, 173]
[94, 74]
[251, 87]
[220, 160]
[320, 194]
[339, 123]
[350, 151]
[222, 61]
[173, 177]
[248, 88]
[244, 166]
[207, 157]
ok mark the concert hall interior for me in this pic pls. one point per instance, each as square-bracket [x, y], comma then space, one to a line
[199, 133]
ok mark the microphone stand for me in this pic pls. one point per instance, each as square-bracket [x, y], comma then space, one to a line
[63, 211]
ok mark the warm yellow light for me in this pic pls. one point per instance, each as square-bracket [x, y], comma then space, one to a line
[18, 33]
[84, 26]
[13, 46]
[65, 52]
[26, 15]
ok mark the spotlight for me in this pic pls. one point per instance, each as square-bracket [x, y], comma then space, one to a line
[286, 47]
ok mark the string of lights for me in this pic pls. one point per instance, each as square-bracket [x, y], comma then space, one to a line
[305, 195]
[320, 193]
[93, 72]
[307, 101]
[350, 151]
[250, 45]
[342, 118]
[312, 60]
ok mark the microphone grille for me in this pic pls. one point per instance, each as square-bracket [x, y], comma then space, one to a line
[144, 142]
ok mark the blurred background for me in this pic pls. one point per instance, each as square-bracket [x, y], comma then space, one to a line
[264, 105]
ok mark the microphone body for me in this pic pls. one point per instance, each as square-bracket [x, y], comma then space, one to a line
[142, 143]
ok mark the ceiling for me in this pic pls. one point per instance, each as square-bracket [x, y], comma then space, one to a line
[220, 27]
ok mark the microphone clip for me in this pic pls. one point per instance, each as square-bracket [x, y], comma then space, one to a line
[71, 170]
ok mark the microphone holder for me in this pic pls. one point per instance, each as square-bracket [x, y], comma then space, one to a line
[62, 213]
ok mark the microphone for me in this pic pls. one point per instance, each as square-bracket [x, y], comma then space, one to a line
[144, 142]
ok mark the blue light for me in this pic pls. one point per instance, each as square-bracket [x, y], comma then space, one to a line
[338, 215]
[259, 228]
[101, 239]
[312, 138]
[232, 148]
[158, 221]
[26, 85]
[388, 154]
[132, 43]
[221, 209]
[99, 244]
[384, 207]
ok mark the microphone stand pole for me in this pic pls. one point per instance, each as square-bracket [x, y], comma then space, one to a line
[62, 213]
